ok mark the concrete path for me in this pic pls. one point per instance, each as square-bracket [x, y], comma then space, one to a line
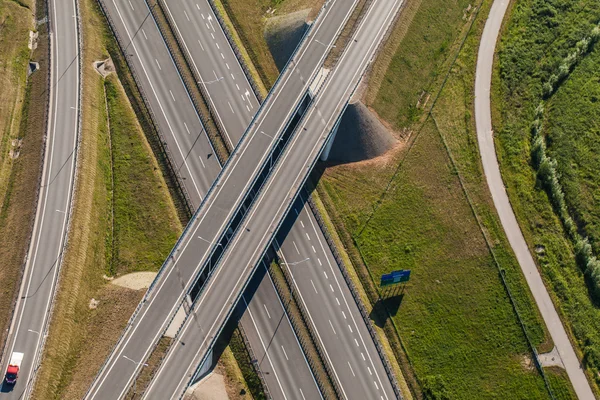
[509, 222]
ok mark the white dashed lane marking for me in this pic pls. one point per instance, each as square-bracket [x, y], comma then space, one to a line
[186, 15]
[331, 287]
[268, 315]
[313, 247]
[319, 260]
[308, 237]
[284, 353]
[131, 5]
[200, 43]
[330, 324]
[231, 107]
[302, 223]
[158, 64]
[311, 281]
[201, 162]
[297, 251]
[186, 128]
[173, 97]
[336, 299]
[325, 273]
[351, 368]
[144, 33]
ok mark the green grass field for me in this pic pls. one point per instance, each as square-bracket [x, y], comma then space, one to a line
[537, 37]
[455, 319]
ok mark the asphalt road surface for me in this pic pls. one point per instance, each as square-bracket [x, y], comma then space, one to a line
[167, 294]
[509, 222]
[229, 92]
[222, 291]
[278, 352]
[54, 202]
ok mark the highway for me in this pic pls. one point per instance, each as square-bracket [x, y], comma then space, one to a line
[44, 256]
[222, 77]
[274, 342]
[164, 298]
[485, 138]
[247, 246]
[265, 296]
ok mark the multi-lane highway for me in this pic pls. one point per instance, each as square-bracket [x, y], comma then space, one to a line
[214, 61]
[265, 215]
[159, 305]
[30, 320]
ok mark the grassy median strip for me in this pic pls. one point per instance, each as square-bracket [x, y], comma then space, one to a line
[535, 42]
[420, 209]
[23, 112]
[89, 312]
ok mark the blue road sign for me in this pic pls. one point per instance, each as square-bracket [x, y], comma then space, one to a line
[399, 276]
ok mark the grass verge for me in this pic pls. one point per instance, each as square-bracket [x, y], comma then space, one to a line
[23, 113]
[426, 208]
[248, 19]
[535, 39]
[119, 185]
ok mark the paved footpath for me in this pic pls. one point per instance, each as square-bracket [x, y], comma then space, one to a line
[507, 217]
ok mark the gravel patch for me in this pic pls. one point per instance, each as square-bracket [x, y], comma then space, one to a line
[135, 280]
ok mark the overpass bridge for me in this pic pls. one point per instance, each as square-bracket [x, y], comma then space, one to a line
[246, 246]
[207, 233]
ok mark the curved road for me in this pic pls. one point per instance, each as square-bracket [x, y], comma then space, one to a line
[491, 169]
[51, 221]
